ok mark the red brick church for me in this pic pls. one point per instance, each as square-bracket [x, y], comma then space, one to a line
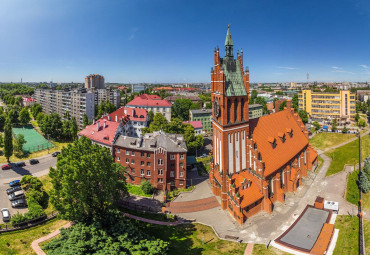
[254, 162]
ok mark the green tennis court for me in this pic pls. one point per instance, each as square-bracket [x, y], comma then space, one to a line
[34, 141]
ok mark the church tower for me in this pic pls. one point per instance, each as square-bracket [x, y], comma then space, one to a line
[230, 117]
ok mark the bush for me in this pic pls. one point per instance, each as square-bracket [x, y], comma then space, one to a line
[344, 130]
[36, 196]
[146, 187]
[34, 211]
[18, 218]
[364, 182]
[31, 182]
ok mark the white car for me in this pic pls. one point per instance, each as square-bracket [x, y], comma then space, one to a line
[6, 214]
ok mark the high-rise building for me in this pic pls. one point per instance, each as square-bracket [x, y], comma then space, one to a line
[94, 81]
[321, 106]
[255, 162]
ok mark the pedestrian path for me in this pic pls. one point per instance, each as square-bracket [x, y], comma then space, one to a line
[249, 249]
[156, 222]
[193, 206]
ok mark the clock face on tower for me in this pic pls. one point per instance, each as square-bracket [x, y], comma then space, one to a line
[216, 108]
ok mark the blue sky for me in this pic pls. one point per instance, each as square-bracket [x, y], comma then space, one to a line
[173, 41]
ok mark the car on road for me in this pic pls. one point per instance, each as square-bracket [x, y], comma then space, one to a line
[16, 195]
[5, 167]
[55, 153]
[19, 203]
[20, 164]
[13, 189]
[34, 161]
[15, 183]
[6, 214]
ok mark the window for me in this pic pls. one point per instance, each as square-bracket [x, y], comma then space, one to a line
[127, 152]
[147, 163]
[118, 150]
[181, 164]
[160, 161]
[127, 161]
[132, 161]
[118, 159]
[181, 174]
[160, 171]
[172, 165]
[181, 183]
[142, 171]
[160, 179]
[132, 153]
[132, 170]
[182, 156]
[172, 157]
[142, 154]
[172, 174]
[148, 155]
[142, 163]
[148, 172]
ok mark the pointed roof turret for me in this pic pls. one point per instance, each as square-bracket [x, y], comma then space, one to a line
[229, 40]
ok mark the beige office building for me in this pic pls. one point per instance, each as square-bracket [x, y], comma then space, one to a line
[94, 81]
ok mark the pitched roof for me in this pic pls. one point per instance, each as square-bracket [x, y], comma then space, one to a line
[249, 195]
[134, 114]
[105, 134]
[149, 100]
[265, 132]
[196, 123]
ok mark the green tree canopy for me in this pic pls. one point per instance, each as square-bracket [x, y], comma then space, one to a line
[36, 109]
[334, 125]
[282, 105]
[316, 125]
[181, 107]
[86, 181]
[2, 121]
[19, 141]
[85, 120]
[24, 116]
[8, 139]
[303, 115]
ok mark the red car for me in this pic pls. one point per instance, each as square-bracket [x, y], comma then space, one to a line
[5, 167]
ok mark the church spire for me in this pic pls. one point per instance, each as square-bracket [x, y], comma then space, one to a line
[229, 43]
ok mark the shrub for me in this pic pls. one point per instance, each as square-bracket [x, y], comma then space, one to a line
[364, 182]
[31, 182]
[344, 130]
[34, 211]
[146, 187]
[36, 196]
[17, 218]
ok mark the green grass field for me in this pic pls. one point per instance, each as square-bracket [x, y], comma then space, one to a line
[353, 195]
[347, 154]
[325, 140]
[136, 190]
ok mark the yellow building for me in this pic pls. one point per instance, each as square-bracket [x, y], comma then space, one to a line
[328, 105]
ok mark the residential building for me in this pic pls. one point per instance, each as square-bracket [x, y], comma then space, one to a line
[363, 95]
[198, 127]
[328, 105]
[77, 102]
[137, 120]
[157, 157]
[255, 162]
[94, 81]
[194, 99]
[152, 103]
[28, 101]
[204, 116]
[255, 111]
[107, 94]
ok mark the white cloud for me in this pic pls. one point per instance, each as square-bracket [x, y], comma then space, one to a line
[288, 67]
[365, 66]
[336, 67]
[341, 71]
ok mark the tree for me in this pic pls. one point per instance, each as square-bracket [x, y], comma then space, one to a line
[146, 187]
[66, 115]
[364, 182]
[181, 107]
[159, 123]
[253, 96]
[8, 139]
[85, 120]
[316, 125]
[174, 126]
[295, 102]
[36, 109]
[262, 101]
[208, 105]
[150, 116]
[24, 116]
[18, 101]
[344, 130]
[192, 142]
[13, 115]
[66, 131]
[73, 128]
[282, 105]
[195, 106]
[2, 122]
[51, 125]
[303, 115]
[19, 141]
[334, 125]
[361, 123]
[86, 181]
[357, 117]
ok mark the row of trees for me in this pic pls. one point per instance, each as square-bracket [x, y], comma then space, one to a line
[181, 108]
[53, 127]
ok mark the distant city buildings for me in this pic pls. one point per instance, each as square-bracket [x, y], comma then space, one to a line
[255, 111]
[152, 103]
[363, 95]
[328, 105]
[94, 81]
[204, 116]
[157, 157]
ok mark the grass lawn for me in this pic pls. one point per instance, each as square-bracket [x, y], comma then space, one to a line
[172, 194]
[48, 186]
[260, 249]
[151, 216]
[136, 190]
[188, 239]
[353, 195]
[325, 140]
[321, 161]
[347, 154]
[19, 242]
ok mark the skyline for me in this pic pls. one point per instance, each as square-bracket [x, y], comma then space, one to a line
[147, 42]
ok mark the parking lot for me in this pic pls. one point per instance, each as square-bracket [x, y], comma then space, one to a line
[5, 203]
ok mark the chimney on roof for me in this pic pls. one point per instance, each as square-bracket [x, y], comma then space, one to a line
[97, 125]
[116, 118]
[105, 124]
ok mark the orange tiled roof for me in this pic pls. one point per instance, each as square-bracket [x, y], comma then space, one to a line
[248, 195]
[263, 130]
[323, 241]
[313, 155]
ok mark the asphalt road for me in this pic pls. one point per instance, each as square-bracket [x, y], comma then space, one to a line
[6, 176]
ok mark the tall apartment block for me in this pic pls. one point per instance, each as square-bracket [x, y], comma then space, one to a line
[328, 105]
[77, 102]
[95, 81]
[107, 94]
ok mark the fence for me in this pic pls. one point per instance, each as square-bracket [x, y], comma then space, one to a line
[40, 147]
[27, 224]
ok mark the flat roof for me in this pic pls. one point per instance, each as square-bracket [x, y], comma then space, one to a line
[303, 234]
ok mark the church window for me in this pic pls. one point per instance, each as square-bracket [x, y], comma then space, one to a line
[235, 110]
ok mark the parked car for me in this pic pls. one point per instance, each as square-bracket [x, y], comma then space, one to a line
[16, 195]
[55, 153]
[19, 203]
[34, 161]
[15, 183]
[20, 164]
[13, 189]
[5, 167]
[6, 214]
